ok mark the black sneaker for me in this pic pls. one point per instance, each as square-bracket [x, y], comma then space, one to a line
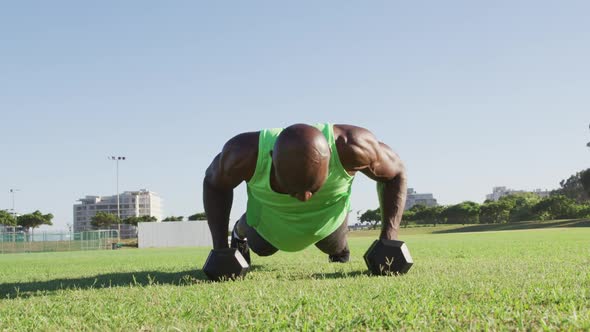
[241, 245]
[340, 258]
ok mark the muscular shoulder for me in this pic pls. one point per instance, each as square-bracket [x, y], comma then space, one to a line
[237, 160]
[357, 146]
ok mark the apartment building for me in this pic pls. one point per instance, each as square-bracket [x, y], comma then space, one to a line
[414, 198]
[131, 204]
[498, 192]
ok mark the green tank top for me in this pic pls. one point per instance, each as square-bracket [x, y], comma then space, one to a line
[285, 222]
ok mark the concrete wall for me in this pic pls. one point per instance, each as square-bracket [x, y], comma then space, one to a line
[174, 234]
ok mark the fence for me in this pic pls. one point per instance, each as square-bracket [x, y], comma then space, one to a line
[21, 242]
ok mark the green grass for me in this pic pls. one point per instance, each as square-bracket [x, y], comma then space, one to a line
[510, 280]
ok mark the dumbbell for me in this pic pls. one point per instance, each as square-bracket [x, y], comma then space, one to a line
[386, 257]
[225, 264]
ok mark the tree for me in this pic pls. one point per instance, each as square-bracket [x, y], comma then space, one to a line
[104, 220]
[198, 216]
[574, 187]
[583, 211]
[463, 213]
[585, 180]
[556, 207]
[423, 214]
[492, 212]
[7, 218]
[372, 217]
[521, 206]
[148, 219]
[133, 220]
[173, 218]
[429, 214]
[409, 215]
[34, 220]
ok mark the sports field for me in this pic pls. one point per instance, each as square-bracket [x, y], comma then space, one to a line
[536, 279]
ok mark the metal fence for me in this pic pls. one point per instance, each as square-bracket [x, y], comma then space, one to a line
[21, 242]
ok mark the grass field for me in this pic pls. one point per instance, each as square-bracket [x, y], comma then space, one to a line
[537, 279]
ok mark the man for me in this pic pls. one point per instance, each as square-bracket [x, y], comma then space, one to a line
[299, 183]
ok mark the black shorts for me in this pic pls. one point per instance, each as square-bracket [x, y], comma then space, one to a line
[334, 244]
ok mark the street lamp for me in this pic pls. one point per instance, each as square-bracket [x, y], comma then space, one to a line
[117, 159]
[12, 192]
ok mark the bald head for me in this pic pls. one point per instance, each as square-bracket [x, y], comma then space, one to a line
[301, 158]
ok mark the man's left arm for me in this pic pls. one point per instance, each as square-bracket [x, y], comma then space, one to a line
[391, 191]
[361, 151]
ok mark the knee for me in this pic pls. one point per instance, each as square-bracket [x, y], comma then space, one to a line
[263, 250]
[337, 248]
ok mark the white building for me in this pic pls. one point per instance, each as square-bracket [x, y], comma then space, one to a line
[498, 192]
[131, 204]
[414, 198]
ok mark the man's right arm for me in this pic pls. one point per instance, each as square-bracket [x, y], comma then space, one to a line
[235, 163]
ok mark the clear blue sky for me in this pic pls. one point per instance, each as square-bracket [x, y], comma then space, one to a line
[471, 94]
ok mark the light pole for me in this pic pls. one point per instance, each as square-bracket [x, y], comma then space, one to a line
[12, 192]
[117, 159]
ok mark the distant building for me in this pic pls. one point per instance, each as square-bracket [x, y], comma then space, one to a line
[131, 204]
[498, 192]
[413, 198]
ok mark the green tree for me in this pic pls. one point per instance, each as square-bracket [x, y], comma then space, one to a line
[148, 219]
[583, 211]
[429, 214]
[198, 216]
[414, 213]
[521, 206]
[574, 188]
[173, 218]
[371, 217]
[556, 207]
[133, 220]
[494, 212]
[7, 218]
[34, 220]
[585, 180]
[463, 213]
[409, 215]
[104, 220]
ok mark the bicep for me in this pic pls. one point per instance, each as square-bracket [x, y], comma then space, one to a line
[385, 164]
[236, 163]
[217, 176]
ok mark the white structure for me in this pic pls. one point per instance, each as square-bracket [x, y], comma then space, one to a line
[174, 234]
[132, 204]
[413, 198]
[498, 192]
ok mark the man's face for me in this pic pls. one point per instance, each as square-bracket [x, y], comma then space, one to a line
[301, 182]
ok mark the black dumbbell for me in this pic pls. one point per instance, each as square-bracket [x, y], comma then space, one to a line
[386, 257]
[225, 264]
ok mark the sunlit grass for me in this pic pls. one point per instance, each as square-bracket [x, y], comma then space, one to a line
[523, 280]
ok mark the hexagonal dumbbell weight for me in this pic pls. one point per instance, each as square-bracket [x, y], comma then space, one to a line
[224, 264]
[385, 257]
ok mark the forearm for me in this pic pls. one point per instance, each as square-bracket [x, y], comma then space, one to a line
[392, 200]
[217, 205]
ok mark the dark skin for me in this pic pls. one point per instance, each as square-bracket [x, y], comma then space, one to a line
[358, 150]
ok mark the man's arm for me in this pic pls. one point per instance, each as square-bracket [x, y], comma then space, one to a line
[359, 150]
[235, 163]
